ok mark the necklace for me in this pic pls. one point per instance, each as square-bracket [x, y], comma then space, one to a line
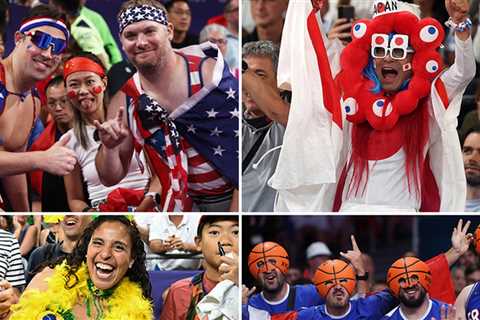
[95, 298]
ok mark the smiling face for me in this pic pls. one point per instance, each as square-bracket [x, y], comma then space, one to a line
[37, 63]
[109, 254]
[85, 84]
[412, 296]
[73, 226]
[146, 42]
[272, 280]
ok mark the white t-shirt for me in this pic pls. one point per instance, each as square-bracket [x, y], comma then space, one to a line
[134, 179]
[162, 228]
[386, 187]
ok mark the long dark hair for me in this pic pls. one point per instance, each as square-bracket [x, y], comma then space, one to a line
[137, 273]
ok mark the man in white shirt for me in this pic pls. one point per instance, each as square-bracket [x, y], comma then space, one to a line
[174, 234]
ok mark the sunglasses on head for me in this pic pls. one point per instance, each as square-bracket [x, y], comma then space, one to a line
[397, 47]
[43, 40]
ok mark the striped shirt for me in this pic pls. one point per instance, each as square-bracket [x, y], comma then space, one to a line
[11, 264]
[189, 172]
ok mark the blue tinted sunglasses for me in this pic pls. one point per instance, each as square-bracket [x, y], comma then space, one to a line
[44, 40]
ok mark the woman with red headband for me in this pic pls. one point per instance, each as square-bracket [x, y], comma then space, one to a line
[86, 82]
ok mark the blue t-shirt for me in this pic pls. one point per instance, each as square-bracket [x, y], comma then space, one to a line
[433, 311]
[305, 296]
[472, 308]
[372, 307]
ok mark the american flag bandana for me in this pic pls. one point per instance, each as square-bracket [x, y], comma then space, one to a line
[141, 13]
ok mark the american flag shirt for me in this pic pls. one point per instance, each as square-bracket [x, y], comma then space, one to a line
[194, 149]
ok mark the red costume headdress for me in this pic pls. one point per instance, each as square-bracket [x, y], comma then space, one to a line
[425, 36]
[384, 123]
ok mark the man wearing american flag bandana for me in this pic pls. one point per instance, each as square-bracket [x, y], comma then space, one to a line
[182, 110]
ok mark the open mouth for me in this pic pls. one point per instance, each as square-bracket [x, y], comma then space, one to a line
[270, 277]
[70, 222]
[389, 73]
[104, 271]
[411, 291]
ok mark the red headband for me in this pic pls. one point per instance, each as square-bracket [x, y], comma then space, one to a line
[82, 64]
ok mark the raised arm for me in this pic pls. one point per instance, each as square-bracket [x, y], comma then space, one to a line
[266, 96]
[460, 241]
[355, 258]
[113, 157]
[457, 77]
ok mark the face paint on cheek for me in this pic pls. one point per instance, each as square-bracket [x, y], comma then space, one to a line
[96, 90]
[71, 94]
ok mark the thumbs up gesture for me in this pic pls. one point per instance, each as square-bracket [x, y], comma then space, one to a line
[59, 159]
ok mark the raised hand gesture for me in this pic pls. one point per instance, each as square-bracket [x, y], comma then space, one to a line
[355, 257]
[457, 9]
[114, 131]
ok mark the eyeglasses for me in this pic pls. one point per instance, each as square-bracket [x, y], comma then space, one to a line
[217, 41]
[43, 40]
[397, 47]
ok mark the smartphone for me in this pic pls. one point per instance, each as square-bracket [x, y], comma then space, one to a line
[347, 12]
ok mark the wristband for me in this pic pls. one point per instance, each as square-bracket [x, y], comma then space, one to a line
[155, 196]
[460, 27]
[86, 209]
[363, 277]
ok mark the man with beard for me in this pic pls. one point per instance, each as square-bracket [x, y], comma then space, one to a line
[409, 279]
[72, 227]
[336, 281]
[184, 115]
[268, 262]
[471, 161]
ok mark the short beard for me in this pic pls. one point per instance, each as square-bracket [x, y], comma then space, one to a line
[413, 303]
[473, 180]
[281, 280]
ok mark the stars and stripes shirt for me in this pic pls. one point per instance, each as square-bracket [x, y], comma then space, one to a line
[197, 144]
[11, 264]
